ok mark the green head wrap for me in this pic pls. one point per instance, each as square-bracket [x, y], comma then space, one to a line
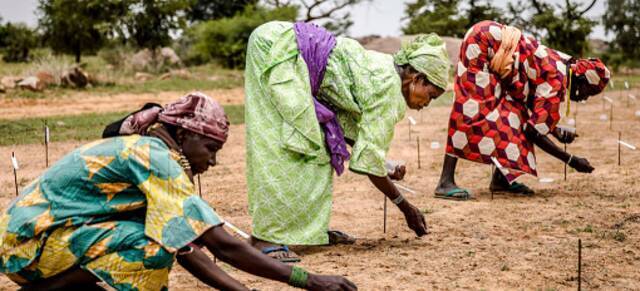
[427, 54]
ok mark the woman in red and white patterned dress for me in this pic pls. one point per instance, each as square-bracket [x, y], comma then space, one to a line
[508, 90]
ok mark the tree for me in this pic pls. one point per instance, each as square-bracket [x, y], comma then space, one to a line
[622, 17]
[16, 40]
[78, 27]
[567, 31]
[334, 14]
[202, 10]
[150, 22]
[225, 40]
[445, 18]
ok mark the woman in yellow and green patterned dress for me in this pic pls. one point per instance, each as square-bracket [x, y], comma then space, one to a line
[121, 210]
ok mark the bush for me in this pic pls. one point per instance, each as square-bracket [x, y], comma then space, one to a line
[16, 40]
[225, 40]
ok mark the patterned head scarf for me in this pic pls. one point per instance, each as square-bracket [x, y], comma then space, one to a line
[595, 72]
[427, 54]
[195, 111]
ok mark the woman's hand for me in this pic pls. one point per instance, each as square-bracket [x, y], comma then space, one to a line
[414, 217]
[398, 173]
[331, 283]
[581, 165]
[564, 135]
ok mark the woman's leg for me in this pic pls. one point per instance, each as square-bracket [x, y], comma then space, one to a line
[447, 177]
[74, 279]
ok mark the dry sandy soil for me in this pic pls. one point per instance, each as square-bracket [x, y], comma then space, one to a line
[508, 242]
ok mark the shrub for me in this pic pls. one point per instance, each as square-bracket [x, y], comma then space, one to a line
[16, 40]
[225, 40]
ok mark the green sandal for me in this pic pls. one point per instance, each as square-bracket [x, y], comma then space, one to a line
[455, 194]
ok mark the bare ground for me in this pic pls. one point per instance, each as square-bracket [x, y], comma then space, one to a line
[78, 103]
[507, 243]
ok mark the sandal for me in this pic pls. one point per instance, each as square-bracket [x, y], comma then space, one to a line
[455, 194]
[275, 250]
[514, 188]
[337, 237]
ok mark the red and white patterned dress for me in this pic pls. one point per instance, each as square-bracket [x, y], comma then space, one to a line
[490, 114]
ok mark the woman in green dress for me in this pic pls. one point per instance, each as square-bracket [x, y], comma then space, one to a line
[121, 210]
[307, 93]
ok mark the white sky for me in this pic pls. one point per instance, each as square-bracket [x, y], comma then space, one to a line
[382, 17]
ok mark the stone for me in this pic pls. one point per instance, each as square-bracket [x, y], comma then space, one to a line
[32, 83]
[75, 78]
[10, 82]
[140, 76]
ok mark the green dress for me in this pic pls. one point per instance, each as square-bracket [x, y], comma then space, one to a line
[289, 176]
[118, 207]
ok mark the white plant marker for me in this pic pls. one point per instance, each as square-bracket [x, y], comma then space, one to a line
[626, 85]
[628, 145]
[236, 229]
[435, 145]
[405, 188]
[546, 180]
[606, 98]
[14, 163]
[412, 121]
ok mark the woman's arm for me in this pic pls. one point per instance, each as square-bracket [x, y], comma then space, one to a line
[413, 216]
[246, 258]
[203, 268]
[542, 141]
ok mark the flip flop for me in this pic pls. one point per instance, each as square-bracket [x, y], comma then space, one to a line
[515, 188]
[274, 250]
[455, 194]
[337, 237]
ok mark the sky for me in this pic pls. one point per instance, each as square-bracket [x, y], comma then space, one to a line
[381, 17]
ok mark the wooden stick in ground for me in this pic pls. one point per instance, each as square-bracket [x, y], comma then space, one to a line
[565, 164]
[418, 142]
[384, 221]
[199, 187]
[619, 150]
[14, 163]
[579, 264]
[46, 145]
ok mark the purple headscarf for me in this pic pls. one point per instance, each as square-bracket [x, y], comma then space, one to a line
[315, 45]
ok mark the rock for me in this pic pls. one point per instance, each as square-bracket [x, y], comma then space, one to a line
[141, 59]
[182, 74]
[32, 83]
[169, 56]
[46, 77]
[75, 78]
[144, 59]
[140, 76]
[10, 82]
[165, 76]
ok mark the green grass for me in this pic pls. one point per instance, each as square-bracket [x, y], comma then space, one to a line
[75, 127]
[115, 81]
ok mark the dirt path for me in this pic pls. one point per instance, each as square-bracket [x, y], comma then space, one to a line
[79, 103]
[508, 243]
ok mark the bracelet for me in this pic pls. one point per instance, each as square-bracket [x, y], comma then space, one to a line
[398, 199]
[569, 160]
[298, 277]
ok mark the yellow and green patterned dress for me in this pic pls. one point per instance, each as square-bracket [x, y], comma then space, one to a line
[289, 176]
[118, 207]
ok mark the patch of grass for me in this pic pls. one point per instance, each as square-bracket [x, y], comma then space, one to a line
[588, 229]
[75, 127]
